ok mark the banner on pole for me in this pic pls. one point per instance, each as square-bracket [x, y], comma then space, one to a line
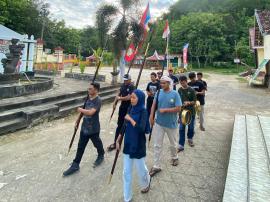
[185, 55]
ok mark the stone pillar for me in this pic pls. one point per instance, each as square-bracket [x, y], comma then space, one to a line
[39, 51]
[31, 54]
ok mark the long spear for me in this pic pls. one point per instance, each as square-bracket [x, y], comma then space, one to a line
[163, 68]
[81, 114]
[124, 125]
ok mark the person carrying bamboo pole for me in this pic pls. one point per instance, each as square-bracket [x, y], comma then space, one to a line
[90, 129]
[135, 145]
[123, 96]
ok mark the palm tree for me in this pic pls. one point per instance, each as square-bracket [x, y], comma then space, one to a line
[125, 26]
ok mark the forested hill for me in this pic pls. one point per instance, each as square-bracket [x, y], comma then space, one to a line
[182, 7]
[216, 30]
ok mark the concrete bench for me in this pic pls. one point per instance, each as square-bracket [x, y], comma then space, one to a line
[248, 176]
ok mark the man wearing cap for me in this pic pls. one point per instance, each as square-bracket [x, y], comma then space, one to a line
[168, 105]
[124, 96]
[174, 78]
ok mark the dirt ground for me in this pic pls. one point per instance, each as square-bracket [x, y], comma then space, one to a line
[32, 160]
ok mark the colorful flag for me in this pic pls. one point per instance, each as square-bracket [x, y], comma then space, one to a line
[145, 18]
[166, 31]
[185, 55]
[131, 52]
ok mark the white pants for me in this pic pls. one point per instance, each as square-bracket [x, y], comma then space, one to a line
[142, 172]
[158, 136]
[201, 116]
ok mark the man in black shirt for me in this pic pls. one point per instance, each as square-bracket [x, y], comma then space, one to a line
[201, 114]
[151, 90]
[90, 129]
[123, 96]
[199, 78]
[174, 78]
[200, 92]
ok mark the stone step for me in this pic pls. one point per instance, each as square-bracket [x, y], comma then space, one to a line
[66, 110]
[81, 98]
[258, 168]
[237, 175]
[77, 98]
[51, 109]
[37, 101]
[9, 116]
[12, 125]
[265, 126]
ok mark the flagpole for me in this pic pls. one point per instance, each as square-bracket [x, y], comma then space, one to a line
[167, 52]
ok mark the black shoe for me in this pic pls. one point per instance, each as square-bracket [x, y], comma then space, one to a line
[72, 169]
[99, 160]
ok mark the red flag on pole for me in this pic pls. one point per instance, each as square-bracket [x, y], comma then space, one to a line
[131, 52]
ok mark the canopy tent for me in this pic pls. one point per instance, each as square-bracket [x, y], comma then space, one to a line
[6, 35]
[155, 57]
[91, 57]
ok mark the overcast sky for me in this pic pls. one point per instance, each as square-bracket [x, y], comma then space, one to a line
[81, 13]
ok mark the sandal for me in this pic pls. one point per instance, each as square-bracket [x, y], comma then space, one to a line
[190, 142]
[180, 149]
[154, 171]
[111, 147]
[174, 162]
[145, 190]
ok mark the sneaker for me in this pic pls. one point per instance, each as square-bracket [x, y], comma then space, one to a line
[99, 160]
[72, 169]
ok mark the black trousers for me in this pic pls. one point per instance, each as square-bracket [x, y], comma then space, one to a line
[149, 103]
[121, 119]
[84, 138]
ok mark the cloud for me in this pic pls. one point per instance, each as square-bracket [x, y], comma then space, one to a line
[81, 13]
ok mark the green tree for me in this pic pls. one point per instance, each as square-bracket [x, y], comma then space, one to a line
[206, 40]
[121, 32]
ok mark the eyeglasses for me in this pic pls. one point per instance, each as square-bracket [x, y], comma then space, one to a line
[162, 83]
[90, 88]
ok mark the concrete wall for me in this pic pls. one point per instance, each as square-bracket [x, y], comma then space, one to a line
[260, 52]
[267, 47]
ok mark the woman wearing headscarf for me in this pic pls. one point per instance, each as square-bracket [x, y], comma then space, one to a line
[135, 145]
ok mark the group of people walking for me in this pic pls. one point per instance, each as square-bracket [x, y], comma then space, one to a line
[161, 114]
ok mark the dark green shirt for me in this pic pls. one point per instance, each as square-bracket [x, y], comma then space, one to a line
[189, 95]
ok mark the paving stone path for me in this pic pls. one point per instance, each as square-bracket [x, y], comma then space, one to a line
[32, 160]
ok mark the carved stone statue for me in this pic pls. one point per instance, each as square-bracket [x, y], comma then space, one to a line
[10, 63]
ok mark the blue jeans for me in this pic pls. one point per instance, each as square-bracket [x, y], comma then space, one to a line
[190, 133]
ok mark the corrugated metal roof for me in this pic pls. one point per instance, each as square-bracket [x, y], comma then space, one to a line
[263, 20]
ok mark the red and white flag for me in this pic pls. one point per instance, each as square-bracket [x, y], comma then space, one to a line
[166, 31]
[131, 52]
